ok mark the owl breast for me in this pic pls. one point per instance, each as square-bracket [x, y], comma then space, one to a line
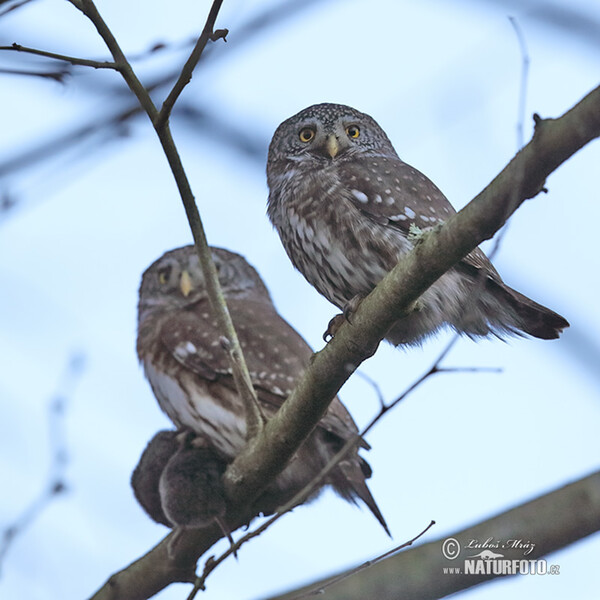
[210, 410]
[339, 250]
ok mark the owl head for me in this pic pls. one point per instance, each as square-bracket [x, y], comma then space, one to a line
[176, 279]
[326, 132]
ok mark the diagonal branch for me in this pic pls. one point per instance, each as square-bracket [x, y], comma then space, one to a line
[351, 443]
[548, 523]
[554, 141]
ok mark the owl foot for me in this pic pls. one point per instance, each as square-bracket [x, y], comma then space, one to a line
[227, 533]
[346, 315]
[333, 326]
[177, 532]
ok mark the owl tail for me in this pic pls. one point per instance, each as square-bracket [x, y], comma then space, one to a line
[534, 319]
[349, 482]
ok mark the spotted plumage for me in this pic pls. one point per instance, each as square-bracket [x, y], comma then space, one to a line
[180, 348]
[345, 206]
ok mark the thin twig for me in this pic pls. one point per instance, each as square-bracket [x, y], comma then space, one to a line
[58, 76]
[186, 73]
[55, 484]
[82, 62]
[373, 384]
[521, 104]
[525, 61]
[369, 563]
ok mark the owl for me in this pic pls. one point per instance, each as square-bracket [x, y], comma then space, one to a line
[346, 209]
[182, 355]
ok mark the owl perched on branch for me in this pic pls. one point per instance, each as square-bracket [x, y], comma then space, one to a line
[345, 207]
[181, 350]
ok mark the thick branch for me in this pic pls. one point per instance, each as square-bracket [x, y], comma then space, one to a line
[551, 522]
[554, 142]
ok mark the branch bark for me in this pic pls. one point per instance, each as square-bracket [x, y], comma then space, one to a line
[551, 522]
[554, 141]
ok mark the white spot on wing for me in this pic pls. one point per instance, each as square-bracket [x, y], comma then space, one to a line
[409, 212]
[360, 196]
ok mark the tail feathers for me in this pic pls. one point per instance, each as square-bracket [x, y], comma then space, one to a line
[352, 485]
[534, 319]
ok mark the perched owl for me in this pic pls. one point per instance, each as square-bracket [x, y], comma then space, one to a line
[180, 349]
[344, 204]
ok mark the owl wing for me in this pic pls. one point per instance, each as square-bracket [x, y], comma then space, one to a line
[276, 355]
[394, 194]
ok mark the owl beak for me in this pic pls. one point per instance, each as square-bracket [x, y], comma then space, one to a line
[185, 283]
[332, 146]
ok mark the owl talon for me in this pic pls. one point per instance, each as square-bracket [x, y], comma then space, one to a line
[333, 326]
[346, 315]
[352, 306]
[227, 533]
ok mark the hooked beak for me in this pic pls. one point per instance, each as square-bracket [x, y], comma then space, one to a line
[332, 145]
[185, 283]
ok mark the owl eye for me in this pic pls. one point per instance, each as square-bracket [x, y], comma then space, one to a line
[352, 131]
[307, 134]
[164, 275]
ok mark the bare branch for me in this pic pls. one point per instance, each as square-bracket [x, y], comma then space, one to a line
[186, 73]
[55, 484]
[317, 591]
[549, 522]
[59, 75]
[83, 62]
[524, 80]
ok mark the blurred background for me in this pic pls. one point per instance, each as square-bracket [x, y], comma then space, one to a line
[88, 202]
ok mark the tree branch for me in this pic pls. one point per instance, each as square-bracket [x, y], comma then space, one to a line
[549, 522]
[186, 73]
[554, 141]
[240, 372]
[84, 62]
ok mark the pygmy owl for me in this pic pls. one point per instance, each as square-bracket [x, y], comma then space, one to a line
[183, 358]
[344, 205]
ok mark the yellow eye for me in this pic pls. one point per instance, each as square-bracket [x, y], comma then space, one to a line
[163, 275]
[307, 134]
[352, 131]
